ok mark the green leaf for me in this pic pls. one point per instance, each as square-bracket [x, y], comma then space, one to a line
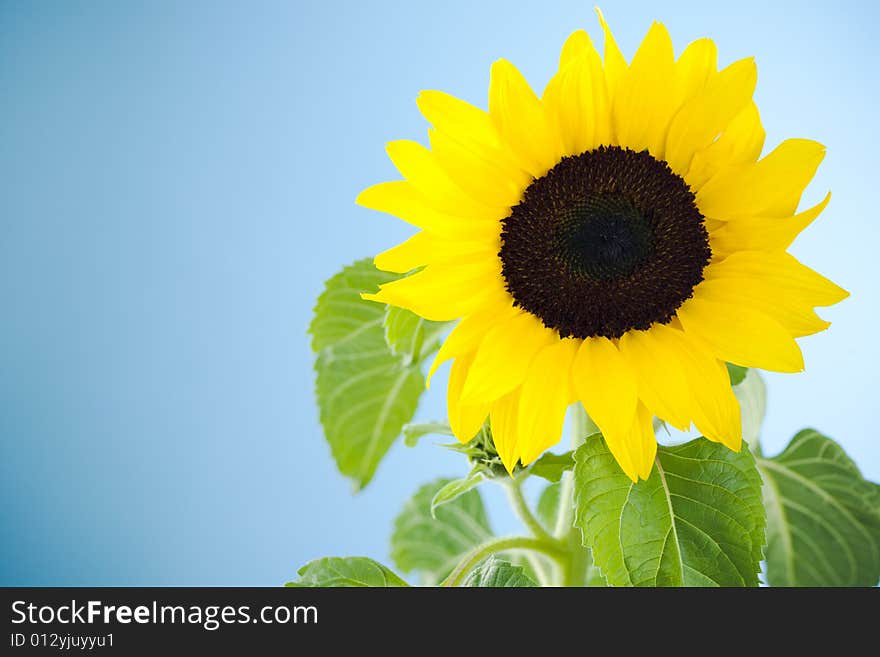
[410, 336]
[433, 546]
[551, 466]
[823, 517]
[752, 395]
[495, 573]
[346, 572]
[737, 373]
[365, 392]
[412, 432]
[456, 488]
[697, 521]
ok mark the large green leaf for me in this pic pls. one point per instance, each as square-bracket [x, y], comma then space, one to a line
[697, 521]
[410, 336]
[366, 392]
[823, 518]
[346, 572]
[495, 573]
[433, 545]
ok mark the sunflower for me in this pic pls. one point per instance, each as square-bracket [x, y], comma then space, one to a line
[612, 242]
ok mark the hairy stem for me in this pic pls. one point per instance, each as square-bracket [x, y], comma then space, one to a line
[522, 510]
[540, 567]
[550, 548]
[581, 427]
[574, 569]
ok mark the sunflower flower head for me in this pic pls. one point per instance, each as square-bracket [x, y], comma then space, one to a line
[611, 242]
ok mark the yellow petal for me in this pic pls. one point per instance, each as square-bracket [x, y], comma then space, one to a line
[470, 133]
[577, 101]
[615, 64]
[635, 449]
[643, 434]
[422, 170]
[575, 45]
[793, 314]
[409, 255]
[712, 225]
[643, 106]
[782, 271]
[771, 187]
[775, 284]
[520, 119]
[713, 406]
[763, 233]
[444, 292]
[465, 419]
[504, 420]
[461, 120]
[470, 126]
[704, 116]
[661, 380]
[741, 335]
[504, 356]
[480, 177]
[402, 200]
[424, 248]
[694, 67]
[470, 331]
[606, 385]
[544, 397]
[740, 143]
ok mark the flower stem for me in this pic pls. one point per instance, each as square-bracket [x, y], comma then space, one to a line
[564, 516]
[550, 548]
[574, 569]
[574, 572]
[522, 510]
[581, 427]
[540, 568]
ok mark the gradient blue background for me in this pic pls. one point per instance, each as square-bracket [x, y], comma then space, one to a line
[177, 181]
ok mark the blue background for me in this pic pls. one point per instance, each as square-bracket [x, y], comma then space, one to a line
[177, 181]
